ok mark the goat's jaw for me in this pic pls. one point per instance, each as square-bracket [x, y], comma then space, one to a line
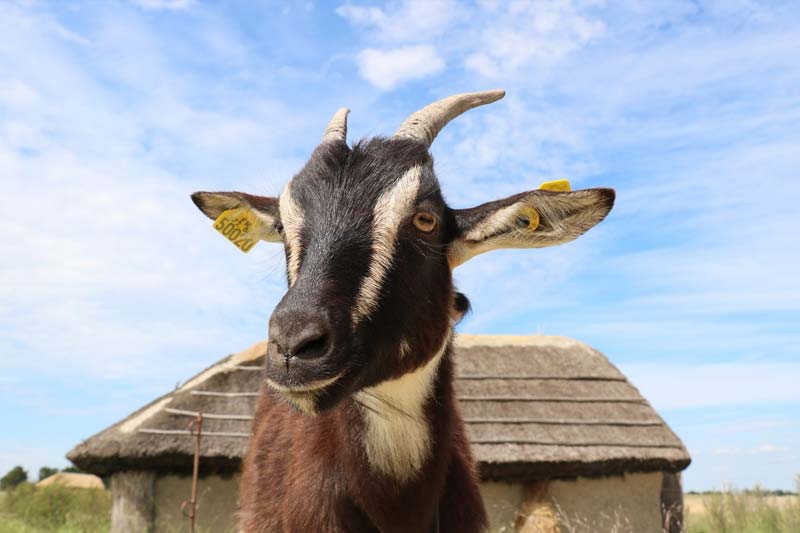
[304, 402]
[304, 397]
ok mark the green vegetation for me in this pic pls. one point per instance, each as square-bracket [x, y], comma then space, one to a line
[750, 511]
[13, 477]
[27, 509]
[46, 471]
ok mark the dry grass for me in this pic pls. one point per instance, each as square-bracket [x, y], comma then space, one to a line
[752, 511]
[612, 522]
[743, 512]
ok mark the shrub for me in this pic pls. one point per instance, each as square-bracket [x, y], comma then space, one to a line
[57, 508]
[13, 477]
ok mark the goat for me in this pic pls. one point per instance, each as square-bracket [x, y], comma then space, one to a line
[358, 427]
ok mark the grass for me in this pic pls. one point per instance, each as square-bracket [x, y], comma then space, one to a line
[54, 509]
[752, 511]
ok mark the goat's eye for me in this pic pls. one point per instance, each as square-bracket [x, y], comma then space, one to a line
[279, 228]
[424, 221]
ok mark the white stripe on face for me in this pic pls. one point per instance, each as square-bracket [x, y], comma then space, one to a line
[390, 210]
[292, 220]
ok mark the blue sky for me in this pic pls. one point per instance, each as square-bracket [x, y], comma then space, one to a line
[113, 288]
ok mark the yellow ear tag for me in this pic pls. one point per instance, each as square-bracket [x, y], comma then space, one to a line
[240, 226]
[528, 218]
[557, 186]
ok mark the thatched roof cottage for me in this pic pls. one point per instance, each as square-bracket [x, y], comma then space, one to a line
[560, 435]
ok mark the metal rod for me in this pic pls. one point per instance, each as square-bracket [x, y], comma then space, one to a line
[196, 467]
[196, 429]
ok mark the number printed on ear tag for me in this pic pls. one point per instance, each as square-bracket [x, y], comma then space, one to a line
[240, 226]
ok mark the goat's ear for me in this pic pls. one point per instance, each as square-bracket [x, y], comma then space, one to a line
[265, 208]
[533, 219]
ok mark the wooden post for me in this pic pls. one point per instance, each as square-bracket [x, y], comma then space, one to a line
[133, 507]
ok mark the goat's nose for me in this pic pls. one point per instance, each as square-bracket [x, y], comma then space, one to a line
[305, 335]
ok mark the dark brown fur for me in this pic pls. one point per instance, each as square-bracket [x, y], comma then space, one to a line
[306, 473]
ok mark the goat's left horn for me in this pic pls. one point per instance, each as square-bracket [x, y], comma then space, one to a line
[425, 124]
[337, 127]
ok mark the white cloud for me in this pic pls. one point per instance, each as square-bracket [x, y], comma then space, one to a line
[170, 5]
[769, 449]
[387, 69]
[14, 93]
[726, 451]
[407, 21]
[764, 449]
[530, 35]
[502, 41]
[109, 271]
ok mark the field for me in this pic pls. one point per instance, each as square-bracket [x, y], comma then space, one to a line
[697, 504]
[742, 512]
[63, 510]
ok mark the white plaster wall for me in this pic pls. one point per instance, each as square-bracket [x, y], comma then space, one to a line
[502, 501]
[623, 504]
[217, 502]
[629, 503]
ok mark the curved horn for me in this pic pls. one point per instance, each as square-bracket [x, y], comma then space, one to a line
[337, 127]
[425, 124]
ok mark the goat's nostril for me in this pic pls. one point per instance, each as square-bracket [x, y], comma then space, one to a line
[299, 334]
[310, 346]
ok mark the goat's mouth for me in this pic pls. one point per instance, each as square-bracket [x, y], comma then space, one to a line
[307, 388]
[306, 397]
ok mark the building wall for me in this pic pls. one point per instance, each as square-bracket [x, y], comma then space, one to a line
[132, 504]
[619, 503]
[503, 502]
[626, 503]
[217, 501]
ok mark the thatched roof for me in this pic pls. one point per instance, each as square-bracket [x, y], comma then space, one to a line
[73, 480]
[536, 407]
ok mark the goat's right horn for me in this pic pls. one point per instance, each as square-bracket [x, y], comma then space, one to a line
[337, 127]
[425, 124]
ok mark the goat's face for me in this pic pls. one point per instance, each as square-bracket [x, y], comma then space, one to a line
[370, 246]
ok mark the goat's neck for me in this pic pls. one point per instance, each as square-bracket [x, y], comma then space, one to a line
[397, 434]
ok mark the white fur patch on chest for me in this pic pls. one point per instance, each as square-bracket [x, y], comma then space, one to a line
[397, 437]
